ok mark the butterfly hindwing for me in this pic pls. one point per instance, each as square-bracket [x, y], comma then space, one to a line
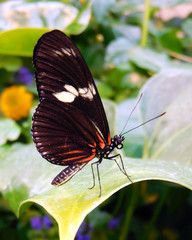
[59, 134]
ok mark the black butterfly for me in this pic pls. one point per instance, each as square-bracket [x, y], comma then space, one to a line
[69, 126]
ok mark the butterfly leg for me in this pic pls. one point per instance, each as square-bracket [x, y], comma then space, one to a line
[98, 175]
[122, 169]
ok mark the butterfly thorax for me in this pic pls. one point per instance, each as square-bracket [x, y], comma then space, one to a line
[116, 142]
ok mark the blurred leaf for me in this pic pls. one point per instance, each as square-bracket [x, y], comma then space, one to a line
[105, 91]
[23, 43]
[169, 40]
[130, 32]
[134, 139]
[171, 138]
[115, 77]
[10, 63]
[186, 27]
[117, 51]
[149, 59]
[98, 218]
[122, 51]
[165, 3]
[94, 56]
[5, 78]
[20, 14]
[81, 22]
[100, 8]
[9, 130]
[25, 178]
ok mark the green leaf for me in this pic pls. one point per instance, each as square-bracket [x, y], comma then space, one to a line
[116, 51]
[100, 9]
[10, 63]
[36, 15]
[186, 27]
[133, 139]
[105, 91]
[25, 178]
[81, 22]
[123, 51]
[23, 43]
[149, 59]
[171, 138]
[170, 41]
[9, 130]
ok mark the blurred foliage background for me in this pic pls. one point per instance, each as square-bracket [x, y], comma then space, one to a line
[124, 43]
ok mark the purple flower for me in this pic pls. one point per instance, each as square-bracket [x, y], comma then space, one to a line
[36, 223]
[83, 237]
[83, 232]
[113, 223]
[47, 222]
[25, 76]
[82, 227]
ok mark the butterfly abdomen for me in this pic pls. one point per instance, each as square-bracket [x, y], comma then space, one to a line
[67, 173]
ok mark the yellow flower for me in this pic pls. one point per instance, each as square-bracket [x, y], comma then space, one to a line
[16, 102]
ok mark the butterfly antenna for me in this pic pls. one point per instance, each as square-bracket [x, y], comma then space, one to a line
[143, 123]
[131, 114]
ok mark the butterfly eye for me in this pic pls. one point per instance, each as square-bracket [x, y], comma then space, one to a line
[119, 146]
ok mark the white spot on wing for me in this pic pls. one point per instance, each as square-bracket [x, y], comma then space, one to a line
[71, 89]
[85, 93]
[64, 96]
[57, 52]
[66, 51]
[73, 52]
[91, 86]
[67, 96]
[82, 91]
[71, 93]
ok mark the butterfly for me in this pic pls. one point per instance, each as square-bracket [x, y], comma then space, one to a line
[69, 126]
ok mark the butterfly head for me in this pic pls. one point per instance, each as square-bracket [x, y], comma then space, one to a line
[118, 141]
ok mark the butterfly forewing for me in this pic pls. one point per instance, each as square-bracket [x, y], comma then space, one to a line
[62, 71]
[69, 123]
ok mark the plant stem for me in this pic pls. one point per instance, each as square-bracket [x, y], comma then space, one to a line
[145, 23]
[129, 213]
[156, 214]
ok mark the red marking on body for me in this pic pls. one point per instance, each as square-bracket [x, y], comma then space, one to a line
[109, 139]
[101, 142]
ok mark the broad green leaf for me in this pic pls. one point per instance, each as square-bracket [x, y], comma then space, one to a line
[23, 43]
[171, 138]
[25, 177]
[9, 130]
